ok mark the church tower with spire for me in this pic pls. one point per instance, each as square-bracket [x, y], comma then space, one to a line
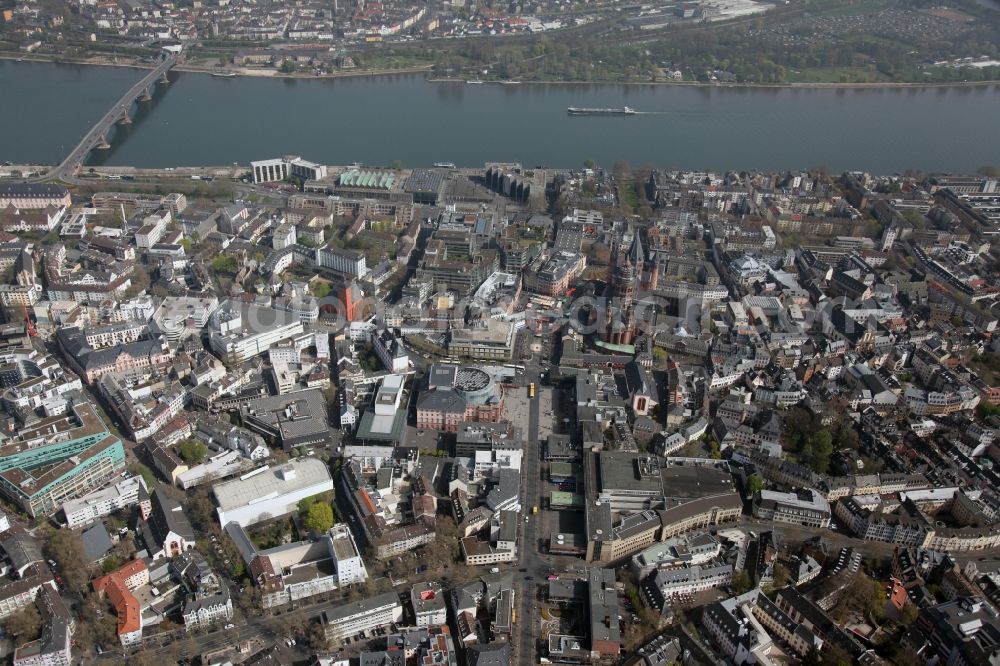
[625, 278]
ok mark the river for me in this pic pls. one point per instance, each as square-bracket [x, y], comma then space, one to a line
[205, 120]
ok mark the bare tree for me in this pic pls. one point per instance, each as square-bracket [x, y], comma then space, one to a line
[24, 625]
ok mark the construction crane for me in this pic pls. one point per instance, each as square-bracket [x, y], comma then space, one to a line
[31, 325]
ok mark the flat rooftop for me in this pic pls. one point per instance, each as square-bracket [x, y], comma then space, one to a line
[275, 481]
[292, 415]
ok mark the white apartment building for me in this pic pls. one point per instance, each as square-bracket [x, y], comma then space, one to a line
[346, 557]
[284, 236]
[362, 616]
[92, 507]
[482, 553]
[20, 294]
[348, 262]
[152, 230]
[113, 335]
[208, 610]
[428, 604]
[668, 583]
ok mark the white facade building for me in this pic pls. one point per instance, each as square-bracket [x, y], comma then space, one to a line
[362, 616]
[428, 604]
[92, 507]
[803, 507]
[238, 332]
[390, 351]
[348, 262]
[269, 492]
[346, 557]
[208, 610]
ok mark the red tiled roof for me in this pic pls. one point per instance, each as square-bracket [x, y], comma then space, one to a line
[125, 603]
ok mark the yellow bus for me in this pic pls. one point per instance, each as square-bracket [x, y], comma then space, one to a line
[531, 390]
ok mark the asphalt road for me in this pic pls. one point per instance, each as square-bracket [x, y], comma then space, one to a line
[264, 629]
[529, 556]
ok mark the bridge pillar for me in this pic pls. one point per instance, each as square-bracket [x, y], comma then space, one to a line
[145, 96]
[164, 79]
[103, 143]
[125, 119]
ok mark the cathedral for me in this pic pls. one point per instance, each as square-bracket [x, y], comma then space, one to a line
[627, 277]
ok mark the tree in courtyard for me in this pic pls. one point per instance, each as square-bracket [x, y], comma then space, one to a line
[817, 450]
[742, 582]
[755, 483]
[192, 451]
[24, 625]
[66, 548]
[319, 517]
[138, 469]
[714, 452]
[225, 264]
[780, 575]
[200, 510]
[317, 637]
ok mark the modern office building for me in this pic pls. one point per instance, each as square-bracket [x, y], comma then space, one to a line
[240, 331]
[58, 459]
[805, 507]
[293, 420]
[489, 340]
[628, 493]
[275, 170]
[385, 424]
[271, 492]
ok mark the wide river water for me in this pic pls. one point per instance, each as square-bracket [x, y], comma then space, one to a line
[205, 120]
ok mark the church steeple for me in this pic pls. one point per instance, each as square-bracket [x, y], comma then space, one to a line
[636, 255]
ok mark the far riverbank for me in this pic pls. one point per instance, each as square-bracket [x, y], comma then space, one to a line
[251, 72]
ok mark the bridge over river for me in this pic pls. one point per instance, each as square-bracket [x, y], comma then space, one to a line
[97, 136]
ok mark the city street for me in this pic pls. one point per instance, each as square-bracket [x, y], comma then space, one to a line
[530, 558]
[263, 630]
